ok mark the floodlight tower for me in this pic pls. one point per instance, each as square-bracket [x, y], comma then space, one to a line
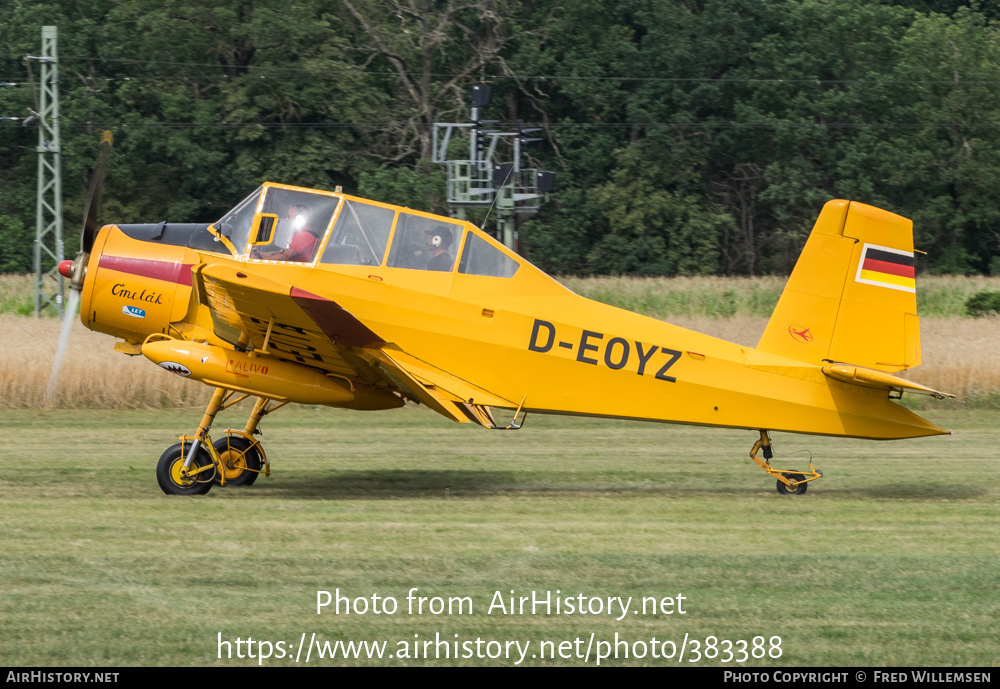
[482, 183]
[48, 216]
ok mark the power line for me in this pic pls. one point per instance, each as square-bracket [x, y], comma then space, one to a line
[383, 126]
[951, 81]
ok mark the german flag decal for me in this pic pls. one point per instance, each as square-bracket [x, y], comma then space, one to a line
[885, 267]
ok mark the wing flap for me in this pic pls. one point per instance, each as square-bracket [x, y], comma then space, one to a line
[452, 397]
[457, 389]
[442, 403]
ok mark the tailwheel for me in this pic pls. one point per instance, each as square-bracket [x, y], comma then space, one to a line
[800, 477]
[174, 479]
[798, 489]
[241, 460]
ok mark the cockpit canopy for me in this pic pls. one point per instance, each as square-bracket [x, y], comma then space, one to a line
[360, 233]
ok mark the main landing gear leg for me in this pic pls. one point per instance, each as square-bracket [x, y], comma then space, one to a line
[188, 468]
[242, 454]
[794, 482]
[194, 464]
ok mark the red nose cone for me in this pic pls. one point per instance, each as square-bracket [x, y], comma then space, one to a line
[65, 267]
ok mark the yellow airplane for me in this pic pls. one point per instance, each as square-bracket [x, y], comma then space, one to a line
[317, 297]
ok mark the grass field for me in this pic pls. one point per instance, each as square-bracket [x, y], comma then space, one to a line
[891, 559]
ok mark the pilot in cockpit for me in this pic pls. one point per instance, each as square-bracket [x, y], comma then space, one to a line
[304, 240]
[438, 241]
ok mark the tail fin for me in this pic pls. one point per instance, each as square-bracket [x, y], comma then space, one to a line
[851, 297]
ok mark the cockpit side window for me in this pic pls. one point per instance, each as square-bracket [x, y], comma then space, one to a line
[480, 258]
[360, 235]
[302, 221]
[423, 243]
[235, 225]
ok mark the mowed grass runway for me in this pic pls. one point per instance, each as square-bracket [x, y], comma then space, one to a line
[891, 559]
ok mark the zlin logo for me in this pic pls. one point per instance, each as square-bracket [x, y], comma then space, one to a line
[800, 333]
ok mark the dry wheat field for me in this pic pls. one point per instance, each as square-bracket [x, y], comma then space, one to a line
[959, 354]
[93, 374]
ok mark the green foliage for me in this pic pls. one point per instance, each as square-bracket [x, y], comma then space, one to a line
[688, 138]
[423, 188]
[16, 244]
[983, 304]
[653, 230]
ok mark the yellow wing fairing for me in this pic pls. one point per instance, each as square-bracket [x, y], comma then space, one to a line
[244, 307]
[247, 310]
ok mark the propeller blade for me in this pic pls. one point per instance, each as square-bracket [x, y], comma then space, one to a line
[89, 232]
[68, 317]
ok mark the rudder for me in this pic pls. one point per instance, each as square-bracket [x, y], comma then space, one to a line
[851, 297]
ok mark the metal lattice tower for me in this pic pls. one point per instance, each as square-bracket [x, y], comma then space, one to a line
[479, 182]
[48, 218]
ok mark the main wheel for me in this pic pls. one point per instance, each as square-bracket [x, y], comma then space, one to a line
[168, 472]
[239, 455]
[797, 490]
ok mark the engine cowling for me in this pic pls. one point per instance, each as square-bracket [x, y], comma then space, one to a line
[133, 289]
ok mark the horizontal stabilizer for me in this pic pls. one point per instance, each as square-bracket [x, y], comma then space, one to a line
[868, 378]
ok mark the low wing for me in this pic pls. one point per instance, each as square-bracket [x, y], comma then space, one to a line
[315, 331]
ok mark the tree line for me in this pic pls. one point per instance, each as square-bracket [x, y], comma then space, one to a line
[688, 136]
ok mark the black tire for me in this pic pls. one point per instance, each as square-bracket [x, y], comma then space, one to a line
[171, 461]
[244, 455]
[797, 490]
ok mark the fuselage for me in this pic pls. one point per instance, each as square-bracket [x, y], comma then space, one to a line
[520, 337]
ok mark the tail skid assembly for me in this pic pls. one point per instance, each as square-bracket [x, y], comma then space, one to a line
[789, 481]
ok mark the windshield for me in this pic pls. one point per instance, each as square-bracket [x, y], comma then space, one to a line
[298, 211]
[235, 225]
